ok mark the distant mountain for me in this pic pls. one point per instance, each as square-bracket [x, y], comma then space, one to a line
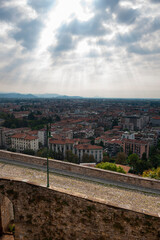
[33, 96]
[55, 95]
[17, 95]
[47, 95]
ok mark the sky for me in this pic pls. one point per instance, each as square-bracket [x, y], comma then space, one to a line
[104, 48]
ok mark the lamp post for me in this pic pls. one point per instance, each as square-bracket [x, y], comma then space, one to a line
[48, 135]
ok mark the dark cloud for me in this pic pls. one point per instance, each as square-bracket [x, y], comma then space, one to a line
[142, 50]
[28, 33]
[126, 15]
[41, 5]
[155, 1]
[103, 4]
[64, 43]
[143, 28]
[92, 27]
[9, 14]
[155, 26]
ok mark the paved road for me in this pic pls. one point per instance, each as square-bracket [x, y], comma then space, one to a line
[80, 176]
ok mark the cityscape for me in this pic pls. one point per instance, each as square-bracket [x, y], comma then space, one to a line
[79, 120]
[84, 130]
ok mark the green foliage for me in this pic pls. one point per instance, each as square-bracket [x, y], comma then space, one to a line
[43, 153]
[154, 156]
[88, 158]
[121, 158]
[71, 157]
[137, 165]
[29, 152]
[110, 166]
[11, 228]
[106, 159]
[152, 173]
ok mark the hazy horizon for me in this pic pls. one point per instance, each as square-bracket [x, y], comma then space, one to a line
[104, 48]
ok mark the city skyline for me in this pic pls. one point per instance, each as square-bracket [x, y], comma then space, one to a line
[104, 48]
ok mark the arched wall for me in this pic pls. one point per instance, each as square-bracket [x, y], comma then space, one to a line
[42, 213]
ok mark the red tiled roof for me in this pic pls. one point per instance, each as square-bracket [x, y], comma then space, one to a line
[24, 136]
[61, 141]
[88, 147]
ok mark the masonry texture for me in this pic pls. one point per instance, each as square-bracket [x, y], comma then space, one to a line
[87, 171]
[42, 213]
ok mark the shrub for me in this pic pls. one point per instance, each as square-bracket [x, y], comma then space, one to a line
[110, 167]
[152, 173]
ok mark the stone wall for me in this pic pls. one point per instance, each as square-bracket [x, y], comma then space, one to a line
[47, 214]
[83, 170]
[6, 213]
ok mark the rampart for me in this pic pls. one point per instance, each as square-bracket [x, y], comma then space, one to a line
[87, 171]
[41, 213]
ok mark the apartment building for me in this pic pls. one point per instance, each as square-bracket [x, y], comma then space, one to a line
[94, 150]
[77, 147]
[23, 141]
[136, 146]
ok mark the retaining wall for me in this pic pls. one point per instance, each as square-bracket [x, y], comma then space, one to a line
[47, 214]
[83, 170]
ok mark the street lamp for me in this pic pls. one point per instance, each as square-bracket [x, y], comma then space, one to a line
[48, 136]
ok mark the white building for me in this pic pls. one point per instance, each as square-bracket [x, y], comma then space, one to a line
[76, 148]
[128, 135]
[23, 141]
[42, 136]
[96, 151]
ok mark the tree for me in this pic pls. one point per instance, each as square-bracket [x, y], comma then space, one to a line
[29, 152]
[133, 160]
[71, 157]
[121, 158]
[138, 165]
[106, 159]
[88, 158]
[31, 116]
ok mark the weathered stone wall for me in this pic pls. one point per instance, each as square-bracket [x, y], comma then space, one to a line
[74, 168]
[6, 213]
[42, 213]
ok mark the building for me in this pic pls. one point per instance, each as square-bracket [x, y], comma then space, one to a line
[136, 146]
[61, 145]
[155, 121]
[23, 141]
[77, 147]
[112, 147]
[42, 137]
[94, 150]
[128, 135]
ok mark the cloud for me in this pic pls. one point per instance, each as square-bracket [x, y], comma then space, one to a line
[126, 15]
[143, 28]
[103, 4]
[64, 43]
[28, 34]
[155, 26]
[41, 6]
[155, 1]
[69, 34]
[10, 14]
[143, 50]
[92, 27]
